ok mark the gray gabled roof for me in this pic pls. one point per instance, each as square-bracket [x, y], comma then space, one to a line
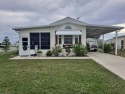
[29, 27]
[92, 29]
[68, 20]
[62, 21]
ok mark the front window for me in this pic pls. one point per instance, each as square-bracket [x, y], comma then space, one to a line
[34, 40]
[40, 39]
[68, 39]
[45, 40]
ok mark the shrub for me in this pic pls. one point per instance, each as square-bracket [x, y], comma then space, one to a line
[17, 52]
[79, 50]
[39, 51]
[56, 50]
[107, 48]
[48, 53]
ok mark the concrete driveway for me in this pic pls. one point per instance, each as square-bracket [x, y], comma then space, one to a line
[115, 64]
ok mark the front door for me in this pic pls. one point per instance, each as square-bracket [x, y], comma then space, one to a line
[25, 48]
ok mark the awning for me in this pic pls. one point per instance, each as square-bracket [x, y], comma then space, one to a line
[93, 31]
[68, 33]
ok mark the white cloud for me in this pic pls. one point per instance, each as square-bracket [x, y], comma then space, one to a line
[112, 34]
[122, 31]
[122, 25]
[14, 13]
[10, 17]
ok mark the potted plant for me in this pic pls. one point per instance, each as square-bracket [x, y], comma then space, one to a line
[67, 51]
[39, 53]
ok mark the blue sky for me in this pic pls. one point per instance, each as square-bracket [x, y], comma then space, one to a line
[16, 13]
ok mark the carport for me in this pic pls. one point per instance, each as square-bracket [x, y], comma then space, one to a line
[93, 31]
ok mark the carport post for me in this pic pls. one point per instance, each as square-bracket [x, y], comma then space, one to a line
[103, 42]
[116, 48]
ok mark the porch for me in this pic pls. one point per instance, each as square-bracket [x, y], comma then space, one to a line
[67, 38]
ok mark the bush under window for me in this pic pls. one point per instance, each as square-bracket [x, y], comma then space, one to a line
[56, 50]
[80, 50]
[48, 53]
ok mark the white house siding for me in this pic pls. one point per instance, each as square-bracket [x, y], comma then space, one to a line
[118, 42]
[26, 32]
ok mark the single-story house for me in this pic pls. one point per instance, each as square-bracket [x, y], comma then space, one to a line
[62, 32]
[120, 44]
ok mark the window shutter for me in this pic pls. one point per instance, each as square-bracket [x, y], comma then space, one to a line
[80, 39]
[56, 39]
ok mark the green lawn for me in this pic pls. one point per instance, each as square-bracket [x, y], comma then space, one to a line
[57, 77]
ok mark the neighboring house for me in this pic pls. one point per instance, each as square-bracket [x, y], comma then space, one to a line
[120, 42]
[67, 31]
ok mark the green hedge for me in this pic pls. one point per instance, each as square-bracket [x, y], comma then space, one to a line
[80, 50]
[107, 48]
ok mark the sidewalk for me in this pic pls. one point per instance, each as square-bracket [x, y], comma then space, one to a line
[115, 64]
[29, 57]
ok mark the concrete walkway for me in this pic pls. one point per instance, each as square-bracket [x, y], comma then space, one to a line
[115, 64]
[31, 57]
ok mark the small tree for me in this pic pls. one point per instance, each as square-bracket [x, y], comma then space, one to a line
[6, 44]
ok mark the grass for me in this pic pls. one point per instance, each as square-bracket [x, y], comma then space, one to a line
[120, 53]
[56, 77]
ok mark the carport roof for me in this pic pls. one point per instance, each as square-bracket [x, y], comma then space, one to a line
[97, 30]
[92, 30]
